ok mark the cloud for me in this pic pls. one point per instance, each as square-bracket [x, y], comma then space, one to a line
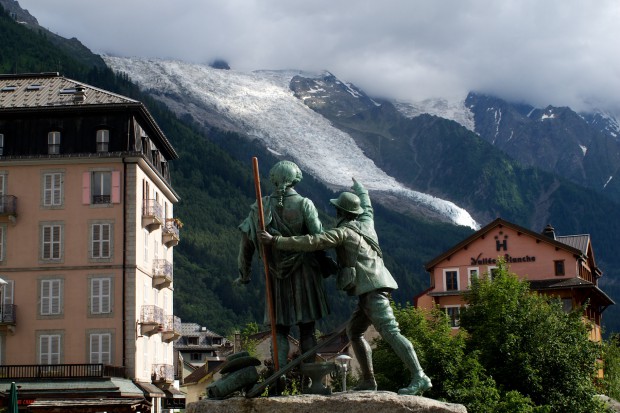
[560, 52]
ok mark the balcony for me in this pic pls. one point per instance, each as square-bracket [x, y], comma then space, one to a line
[172, 328]
[151, 320]
[163, 374]
[162, 273]
[60, 371]
[152, 215]
[170, 232]
[8, 208]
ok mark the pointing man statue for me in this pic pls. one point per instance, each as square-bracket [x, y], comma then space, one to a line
[362, 273]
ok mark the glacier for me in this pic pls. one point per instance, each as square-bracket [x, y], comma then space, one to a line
[260, 104]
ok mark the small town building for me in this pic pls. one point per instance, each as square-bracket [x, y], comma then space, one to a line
[563, 266]
[87, 230]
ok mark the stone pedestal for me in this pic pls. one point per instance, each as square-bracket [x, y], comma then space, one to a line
[349, 402]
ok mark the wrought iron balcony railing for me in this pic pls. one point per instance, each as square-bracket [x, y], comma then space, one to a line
[152, 214]
[172, 328]
[8, 314]
[163, 373]
[8, 205]
[170, 233]
[60, 371]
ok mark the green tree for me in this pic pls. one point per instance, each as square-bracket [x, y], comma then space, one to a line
[611, 363]
[528, 344]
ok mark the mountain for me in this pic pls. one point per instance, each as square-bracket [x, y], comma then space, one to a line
[217, 125]
[334, 130]
[584, 148]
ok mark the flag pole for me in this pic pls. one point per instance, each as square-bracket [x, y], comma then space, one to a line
[261, 223]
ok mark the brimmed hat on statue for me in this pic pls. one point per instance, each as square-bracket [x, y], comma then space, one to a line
[348, 202]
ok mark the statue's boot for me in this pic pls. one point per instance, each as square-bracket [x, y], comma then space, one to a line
[420, 382]
[363, 353]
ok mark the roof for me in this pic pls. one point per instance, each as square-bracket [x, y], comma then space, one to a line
[565, 244]
[579, 242]
[571, 283]
[117, 386]
[52, 90]
[73, 403]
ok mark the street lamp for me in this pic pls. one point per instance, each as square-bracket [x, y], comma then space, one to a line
[343, 363]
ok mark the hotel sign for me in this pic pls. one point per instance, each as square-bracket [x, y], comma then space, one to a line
[479, 260]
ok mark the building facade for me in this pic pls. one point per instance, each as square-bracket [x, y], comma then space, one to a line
[87, 231]
[563, 266]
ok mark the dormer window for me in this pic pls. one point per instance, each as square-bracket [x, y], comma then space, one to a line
[103, 140]
[193, 341]
[53, 143]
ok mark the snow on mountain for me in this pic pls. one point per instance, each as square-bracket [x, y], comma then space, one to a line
[261, 105]
[452, 110]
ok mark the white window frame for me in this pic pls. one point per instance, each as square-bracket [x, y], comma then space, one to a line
[53, 190]
[454, 323]
[99, 242]
[53, 142]
[55, 239]
[103, 140]
[101, 295]
[50, 347]
[445, 279]
[51, 293]
[470, 271]
[100, 348]
[490, 269]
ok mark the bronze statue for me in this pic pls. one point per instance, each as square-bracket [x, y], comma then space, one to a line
[295, 277]
[362, 273]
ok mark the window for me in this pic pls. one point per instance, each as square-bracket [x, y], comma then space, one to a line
[2, 231]
[53, 143]
[7, 292]
[471, 274]
[567, 304]
[453, 315]
[51, 297]
[1, 144]
[192, 341]
[493, 271]
[3, 201]
[101, 187]
[452, 280]
[51, 242]
[100, 348]
[101, 241]
[100, 295]
[52, 189]
[195, 357]
[49, 348]
[103, 140]
[146, 245]
[558, 265]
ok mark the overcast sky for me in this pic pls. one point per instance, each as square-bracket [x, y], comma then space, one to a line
[559, 52]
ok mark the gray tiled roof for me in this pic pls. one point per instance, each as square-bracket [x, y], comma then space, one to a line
[51, 90]
[579, 242]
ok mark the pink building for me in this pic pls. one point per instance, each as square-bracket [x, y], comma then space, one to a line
[560, 265]
[86, 244]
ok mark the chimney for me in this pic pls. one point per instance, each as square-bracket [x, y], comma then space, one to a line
[549, 231]
[79, 95]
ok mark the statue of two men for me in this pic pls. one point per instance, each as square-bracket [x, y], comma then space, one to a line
[361, 272]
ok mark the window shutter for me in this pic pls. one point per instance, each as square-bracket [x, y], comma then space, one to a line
[8, 293]
[95, 299]
[105, 295]
[95, 351]
[1, 243]
[116, 187]
[55, 297]
[106, 344]
[47, 192]
[44, 347]
[45, 297]
[96, 242]
[57, 182]
[55, 242]
[86, 188]
[105, 240]
[55, 349]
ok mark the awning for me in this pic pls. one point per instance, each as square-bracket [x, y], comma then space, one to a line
[89, 405]
[174, 393]
[150, 390]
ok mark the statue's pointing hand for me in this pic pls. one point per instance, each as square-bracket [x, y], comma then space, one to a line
[264, 237]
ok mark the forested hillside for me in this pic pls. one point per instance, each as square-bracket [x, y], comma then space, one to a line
[214, 180]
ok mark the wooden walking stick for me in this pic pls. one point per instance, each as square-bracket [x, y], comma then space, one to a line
[269, 298]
